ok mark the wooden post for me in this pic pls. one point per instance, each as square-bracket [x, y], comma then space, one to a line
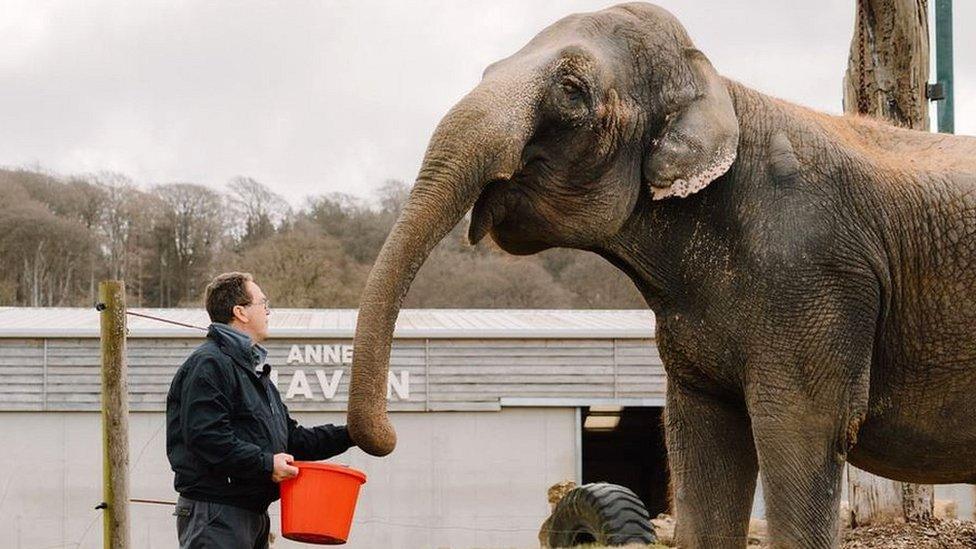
[115, 415]
[887, 75]
[888, 66]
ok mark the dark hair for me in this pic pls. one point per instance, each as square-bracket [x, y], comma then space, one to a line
[226, 291]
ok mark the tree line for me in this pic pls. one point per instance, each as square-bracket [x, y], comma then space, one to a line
[61, 235]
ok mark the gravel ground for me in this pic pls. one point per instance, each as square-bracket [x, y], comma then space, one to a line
[933, 534]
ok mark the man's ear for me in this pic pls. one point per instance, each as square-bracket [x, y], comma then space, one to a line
[239, 315]
[698, 143]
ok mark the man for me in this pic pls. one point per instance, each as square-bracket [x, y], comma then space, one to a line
[228, 434]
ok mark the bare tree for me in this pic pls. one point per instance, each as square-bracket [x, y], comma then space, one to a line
[46, 255]
[392, 195]
[260, 211]
[596, 284]
[303, 268]
[360, 229]
[487, 279]
[187, 234]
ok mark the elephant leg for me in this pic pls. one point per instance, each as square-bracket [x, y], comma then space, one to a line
[713, 468]
[801, 461]
[807, 393]
[805, 415]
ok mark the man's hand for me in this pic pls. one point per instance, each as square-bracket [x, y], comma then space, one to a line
[282, 468]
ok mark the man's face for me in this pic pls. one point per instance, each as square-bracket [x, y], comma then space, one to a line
[253, 317]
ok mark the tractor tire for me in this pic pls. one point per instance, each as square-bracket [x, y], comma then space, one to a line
[599, 513]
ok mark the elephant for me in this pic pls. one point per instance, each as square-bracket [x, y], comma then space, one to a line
[813, 276]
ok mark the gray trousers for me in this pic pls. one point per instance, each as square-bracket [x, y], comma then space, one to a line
[206, 525]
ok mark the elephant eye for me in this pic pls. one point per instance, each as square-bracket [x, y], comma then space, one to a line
[572, 88]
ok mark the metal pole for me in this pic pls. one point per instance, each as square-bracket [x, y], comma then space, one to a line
[115, 416]
[943, 64]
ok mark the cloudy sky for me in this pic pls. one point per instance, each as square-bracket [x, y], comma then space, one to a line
[325, 96]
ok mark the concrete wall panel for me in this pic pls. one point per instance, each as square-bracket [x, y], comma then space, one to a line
[457, 479]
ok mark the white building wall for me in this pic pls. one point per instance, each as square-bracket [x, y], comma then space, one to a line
[456, 480]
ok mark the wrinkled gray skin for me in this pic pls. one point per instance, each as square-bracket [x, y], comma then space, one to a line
[816, 302]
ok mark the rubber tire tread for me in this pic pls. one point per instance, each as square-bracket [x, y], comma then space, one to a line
[610, 514]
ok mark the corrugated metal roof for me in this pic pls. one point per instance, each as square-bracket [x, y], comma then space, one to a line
[341, 323]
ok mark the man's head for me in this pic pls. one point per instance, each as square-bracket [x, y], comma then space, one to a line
[234, 299]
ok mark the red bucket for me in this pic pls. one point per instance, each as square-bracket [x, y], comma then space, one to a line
[317, 505]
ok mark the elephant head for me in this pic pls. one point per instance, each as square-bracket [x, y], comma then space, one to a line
[554, 147]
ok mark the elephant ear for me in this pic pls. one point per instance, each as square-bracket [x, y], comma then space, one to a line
[698, 143]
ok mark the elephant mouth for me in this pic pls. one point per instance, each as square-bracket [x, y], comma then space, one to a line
[505, 211]
[501, 199]
[489, 209]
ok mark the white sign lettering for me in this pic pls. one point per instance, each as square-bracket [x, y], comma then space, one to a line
[299, 385]
[329, 380]
[329, 386]
[320, 354]
[328, 383]
[400, 386]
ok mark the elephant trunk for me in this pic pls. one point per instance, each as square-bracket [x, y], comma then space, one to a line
[479, 141]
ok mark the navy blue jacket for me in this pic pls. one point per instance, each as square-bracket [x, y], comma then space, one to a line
[225, 421]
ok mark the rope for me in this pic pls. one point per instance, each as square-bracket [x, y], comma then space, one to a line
[164, 320]
[152, 501]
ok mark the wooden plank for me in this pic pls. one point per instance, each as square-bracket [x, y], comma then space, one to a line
[463, 398]
[87, 370]
[73, 361]
[492, 406]
[13, 353]
[74, 397]
[91, 387]
[20, 370]
[443, 344]
[529, 352]
[653, 369]
[135, 379]
[504, 370]
[11, 379]
[505, 380]
[13, 398]
[629, 378]
[9, 406]
[74, 406]
[516, 390]
[148, 405]
[21, 342]
[522, 361]
[21, 362]
[20, 388]
[154, 397]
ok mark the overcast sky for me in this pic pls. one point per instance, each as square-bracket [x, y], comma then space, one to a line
[326, 96]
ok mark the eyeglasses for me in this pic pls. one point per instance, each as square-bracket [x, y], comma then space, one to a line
[264, 302]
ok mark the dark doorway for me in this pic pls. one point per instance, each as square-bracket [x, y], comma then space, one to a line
[625, 446]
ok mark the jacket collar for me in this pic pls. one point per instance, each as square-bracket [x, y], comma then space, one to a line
[239, 346]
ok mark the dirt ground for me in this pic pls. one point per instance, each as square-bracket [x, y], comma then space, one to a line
[936, 533]
[932, 534]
